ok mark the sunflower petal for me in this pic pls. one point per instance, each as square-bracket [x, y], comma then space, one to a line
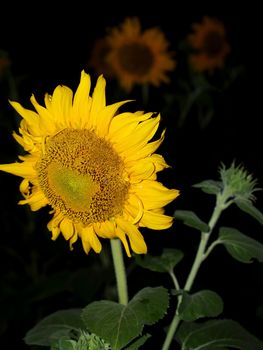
[90, 239]
[154, 194]
[156, 221]
[82, 102]
[98, 100]
[135, 237]
[67, 228]
[25, 169]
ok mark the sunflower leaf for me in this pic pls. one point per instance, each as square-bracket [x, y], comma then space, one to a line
[53, 327]
[161, 263]
[216, 334]
[205, 303]
[119, 324]
[209, 186]
[249, 208]
[191, 219]
[240, 246]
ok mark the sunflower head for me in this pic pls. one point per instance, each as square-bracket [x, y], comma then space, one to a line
[209, 44]
[94, 166]
[139, 56]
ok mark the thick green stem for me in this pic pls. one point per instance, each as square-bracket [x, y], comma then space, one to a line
[120, 273]
[199, 258]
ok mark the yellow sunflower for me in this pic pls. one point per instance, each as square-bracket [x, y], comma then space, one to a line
[139, 57]
[209, 43]
[94, 166]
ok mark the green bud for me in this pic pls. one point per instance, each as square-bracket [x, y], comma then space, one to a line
[237, 184]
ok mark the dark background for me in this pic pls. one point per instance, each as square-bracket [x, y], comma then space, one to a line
[49, 44]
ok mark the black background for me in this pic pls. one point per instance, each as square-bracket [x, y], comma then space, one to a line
[49, 44]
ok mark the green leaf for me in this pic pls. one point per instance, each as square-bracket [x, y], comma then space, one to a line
[161, 263]
[54, 326]
[240, 246]
[209, 186]
[138, 343]
[205, 303]
[119, 324]
[64, 344]
[191, 219]
[249, 208]
[216, 334]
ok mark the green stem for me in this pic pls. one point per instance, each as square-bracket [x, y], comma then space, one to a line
[175, 281]
[201, 249]
[120, 273]
[199, 258]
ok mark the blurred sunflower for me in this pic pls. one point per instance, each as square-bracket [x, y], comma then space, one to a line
[209, 43]
[95, 168]
[5, 63]
[98, 59]
[139, 57]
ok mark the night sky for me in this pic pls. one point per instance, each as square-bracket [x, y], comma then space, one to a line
[49, 46]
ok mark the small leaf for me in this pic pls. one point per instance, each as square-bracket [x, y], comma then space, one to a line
[161, 263]
[240, 246]
[216, 334]
[209, 186]
[138, 343]
[54, 326]
[119, 324]
[205, 303]
[249, 208]
[191, 219]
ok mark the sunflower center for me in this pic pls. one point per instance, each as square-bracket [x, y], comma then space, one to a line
[82, 176]
[136, 59]
[213, 43]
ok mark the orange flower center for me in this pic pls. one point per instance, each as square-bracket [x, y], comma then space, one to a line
[82, 176]
[213, 43]
[135, 58]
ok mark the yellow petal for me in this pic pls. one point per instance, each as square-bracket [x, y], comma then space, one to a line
[145, 151]
[156, 221]
[154, 194]
[30, 117]
[122, 237]
[67, 228]
[53, 225]
[105, 229]
[90, 239]
[105, 116]
[134, 207]
[25, 169]
[141, 170]
[82, 102]
[135, 237]
[36, 201]
[61, 104]
[98, 100]
[72, 240]
[46, 122]
[124, 124]
[140, 136]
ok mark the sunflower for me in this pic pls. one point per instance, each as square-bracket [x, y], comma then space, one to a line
[139, 57]
[209, 43]
[94, 166]
[98, 59]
